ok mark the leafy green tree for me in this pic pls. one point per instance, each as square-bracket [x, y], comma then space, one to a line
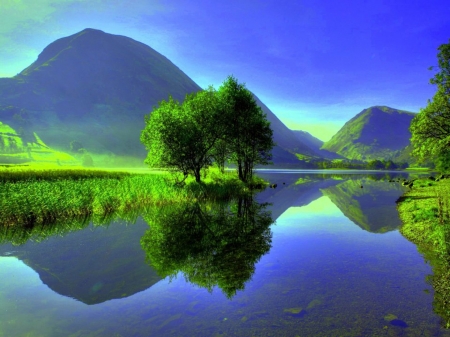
[13, 147]
[389, 165]
[443, 162]
[430, 129]
[375, 164]
[87, 161]
[181, 137]
[248, 133]
[221, 152]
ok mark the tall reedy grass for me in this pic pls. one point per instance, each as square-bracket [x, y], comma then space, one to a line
[45, 197]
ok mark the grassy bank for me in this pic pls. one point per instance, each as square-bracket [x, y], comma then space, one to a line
[425, 213]
[43, 196]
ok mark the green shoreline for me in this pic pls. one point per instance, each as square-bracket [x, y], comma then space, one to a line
[425, 215]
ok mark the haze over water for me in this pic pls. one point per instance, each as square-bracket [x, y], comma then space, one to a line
[332, 264]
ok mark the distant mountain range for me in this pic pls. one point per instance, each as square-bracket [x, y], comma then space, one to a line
[378, 132]
[94, 88]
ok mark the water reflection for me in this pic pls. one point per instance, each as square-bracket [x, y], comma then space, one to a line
[93, 265]
[210, 244]
[323, 274]
[440, 278]
[368, 203]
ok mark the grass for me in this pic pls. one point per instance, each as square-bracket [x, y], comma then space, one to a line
[43, 196]
[425, 213]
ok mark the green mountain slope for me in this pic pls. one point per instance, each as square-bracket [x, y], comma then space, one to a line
[95, 88]
[378, 132]
[22, 148]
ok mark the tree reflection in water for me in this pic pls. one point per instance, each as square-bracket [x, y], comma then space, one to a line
[211, 244]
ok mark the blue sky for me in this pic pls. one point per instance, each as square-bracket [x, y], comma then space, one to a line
[314, 63]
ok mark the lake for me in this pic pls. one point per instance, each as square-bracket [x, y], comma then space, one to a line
[320, 255]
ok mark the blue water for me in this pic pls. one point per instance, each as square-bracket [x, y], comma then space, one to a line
[325, 275]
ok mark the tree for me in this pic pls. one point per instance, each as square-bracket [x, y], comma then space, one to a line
[375, 164]
[443, 162]
[87, 161]
[430, 128]
[248, 133]
[181, 137]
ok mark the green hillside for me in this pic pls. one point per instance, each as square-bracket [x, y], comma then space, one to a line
[378, 132]
[18, 149]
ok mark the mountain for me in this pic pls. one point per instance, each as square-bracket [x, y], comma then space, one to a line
[95, 88]
[378, 132]
[314, 144]
[284, 137]
[18, 148]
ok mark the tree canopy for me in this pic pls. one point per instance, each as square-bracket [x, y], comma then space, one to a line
[248, 133]
[209, 126]
[430, 129]
[181, 136]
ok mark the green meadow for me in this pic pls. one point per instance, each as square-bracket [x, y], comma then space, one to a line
[44, 195]
[425, 213]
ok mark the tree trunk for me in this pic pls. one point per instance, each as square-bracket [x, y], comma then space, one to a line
[197, 174]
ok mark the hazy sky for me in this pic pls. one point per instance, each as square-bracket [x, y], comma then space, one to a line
[314, 63]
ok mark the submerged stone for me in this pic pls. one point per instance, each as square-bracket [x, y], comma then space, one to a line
[399, 323]
[390, 317]
[314, 303]
[297, 311]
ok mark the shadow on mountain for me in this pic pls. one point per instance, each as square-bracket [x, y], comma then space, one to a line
[210, 244]
[92, 265]
[372, 206]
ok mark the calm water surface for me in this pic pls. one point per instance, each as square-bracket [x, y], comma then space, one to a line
[332, 264]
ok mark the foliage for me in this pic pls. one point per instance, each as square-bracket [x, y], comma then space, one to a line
[182, 136]
[87, 161]
[360, 165]
[213, 244]
[30, 198]
[425, 213]
[208, 126]
[431, 127]
[443, 162]
[248, 133]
